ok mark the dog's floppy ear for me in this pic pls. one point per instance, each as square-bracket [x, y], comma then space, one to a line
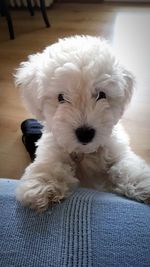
[129, 85]
[27, 78]
[126, 82]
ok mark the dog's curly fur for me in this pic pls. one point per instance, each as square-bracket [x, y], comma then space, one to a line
[77, 83]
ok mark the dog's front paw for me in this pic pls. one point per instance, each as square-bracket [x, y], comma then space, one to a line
[37, 193]
[138, 190]
[142, 189]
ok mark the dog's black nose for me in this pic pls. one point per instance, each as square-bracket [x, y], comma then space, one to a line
[85, 134]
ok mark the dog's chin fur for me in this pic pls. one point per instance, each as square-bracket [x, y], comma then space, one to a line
[79, 68]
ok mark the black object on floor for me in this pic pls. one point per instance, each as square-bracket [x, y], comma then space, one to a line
[32, 131]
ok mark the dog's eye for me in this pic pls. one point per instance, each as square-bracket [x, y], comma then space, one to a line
[101, 95]
[61, 98]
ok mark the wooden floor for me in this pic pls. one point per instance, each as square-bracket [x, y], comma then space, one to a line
[127, 28]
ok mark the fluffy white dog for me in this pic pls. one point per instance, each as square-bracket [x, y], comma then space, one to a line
[79, 91]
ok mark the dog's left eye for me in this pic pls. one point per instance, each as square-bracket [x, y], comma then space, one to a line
[101, 95]
[61, 98]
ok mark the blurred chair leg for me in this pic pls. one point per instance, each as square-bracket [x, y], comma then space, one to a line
[2, 9]
[30, 7]
[5, 5]
[44, 13]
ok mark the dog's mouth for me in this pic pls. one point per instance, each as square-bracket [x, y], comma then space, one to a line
[87, 148]
[77, 157]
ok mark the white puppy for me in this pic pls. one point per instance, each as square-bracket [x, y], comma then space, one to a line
[79, 91]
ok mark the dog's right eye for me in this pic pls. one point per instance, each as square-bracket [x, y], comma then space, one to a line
[61, 98]
[101, 95]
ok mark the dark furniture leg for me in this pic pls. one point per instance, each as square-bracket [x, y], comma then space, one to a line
[6, 12]
[1, 9]
[30, 7]
[44, 13]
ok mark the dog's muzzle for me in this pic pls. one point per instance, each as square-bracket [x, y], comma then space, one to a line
[85, 134]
